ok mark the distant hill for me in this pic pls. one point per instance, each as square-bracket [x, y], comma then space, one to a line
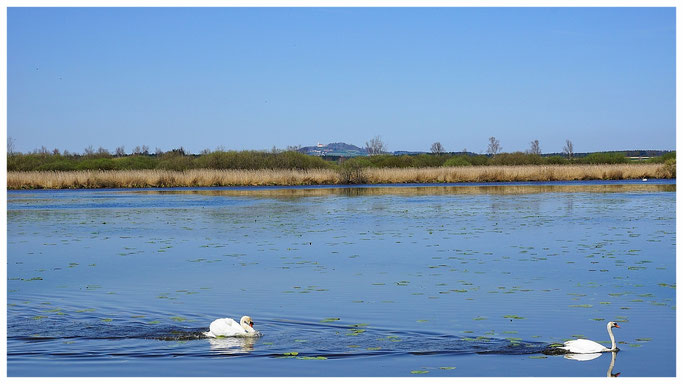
[334, 149]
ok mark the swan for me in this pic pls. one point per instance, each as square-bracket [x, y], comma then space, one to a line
[589, 346]
[228, 327]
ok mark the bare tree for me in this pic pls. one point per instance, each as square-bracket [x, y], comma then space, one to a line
[10, 146]
[136, 150]
[158, 151]
[102, 151]
[205, 151]
[437, 148]
[55, 151]
[145, 150]
[568, 149]
[494, 146]
[375, 146]
[535, 148]
[120, 151]
[89, 150]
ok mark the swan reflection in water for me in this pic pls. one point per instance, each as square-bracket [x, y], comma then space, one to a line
[232, 345]
[591, 356]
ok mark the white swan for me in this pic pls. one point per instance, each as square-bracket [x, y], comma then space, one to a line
[589, 346]
[228, 327]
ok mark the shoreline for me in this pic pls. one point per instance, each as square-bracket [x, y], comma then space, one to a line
[268, 177]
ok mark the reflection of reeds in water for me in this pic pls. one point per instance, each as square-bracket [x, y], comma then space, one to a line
[284, 193]
[267, 177]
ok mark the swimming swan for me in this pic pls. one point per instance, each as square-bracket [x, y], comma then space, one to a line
[228, 327]
[589, 346]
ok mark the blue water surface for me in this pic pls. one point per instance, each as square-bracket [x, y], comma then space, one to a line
[410, 280]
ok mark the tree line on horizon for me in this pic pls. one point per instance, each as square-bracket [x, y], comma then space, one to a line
[177, 159]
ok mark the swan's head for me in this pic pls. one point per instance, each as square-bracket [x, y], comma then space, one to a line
[613, 324]
[245, 321]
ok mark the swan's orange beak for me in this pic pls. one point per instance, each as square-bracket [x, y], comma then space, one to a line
[251, 324]
[616, 326]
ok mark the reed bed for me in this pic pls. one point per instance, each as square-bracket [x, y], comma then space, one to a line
[491, 173]
[166, 179]
[267, 177]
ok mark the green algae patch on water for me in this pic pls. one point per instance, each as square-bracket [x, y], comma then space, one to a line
[329, 319]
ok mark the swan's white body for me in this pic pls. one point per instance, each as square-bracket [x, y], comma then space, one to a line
[589, 346]
[230, 328]
[584, 346]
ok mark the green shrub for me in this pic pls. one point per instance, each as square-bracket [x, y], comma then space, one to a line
[102, 164]
[60, 165]
[478, 160]
[176, 163]
[136, 162]
[664, 158]
[424, 160]
[457, 161]
[604, 158]
[516, 158]
[296, 160]
[260, 160]
[361, 161]
[556, 160]
[391, 161]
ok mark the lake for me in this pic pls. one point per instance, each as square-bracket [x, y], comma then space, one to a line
[394, 280]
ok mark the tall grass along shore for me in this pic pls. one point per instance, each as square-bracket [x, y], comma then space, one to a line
[283, 177]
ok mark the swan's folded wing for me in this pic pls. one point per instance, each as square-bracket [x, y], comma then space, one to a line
[583, 346]
[226, 327]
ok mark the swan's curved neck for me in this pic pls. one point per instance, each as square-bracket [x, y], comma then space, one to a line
[611, 337]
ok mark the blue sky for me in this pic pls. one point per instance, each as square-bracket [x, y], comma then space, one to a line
[254, 78]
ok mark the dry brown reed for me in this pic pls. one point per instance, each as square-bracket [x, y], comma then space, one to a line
[214, 178]
[515, 173]
[164, 178]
